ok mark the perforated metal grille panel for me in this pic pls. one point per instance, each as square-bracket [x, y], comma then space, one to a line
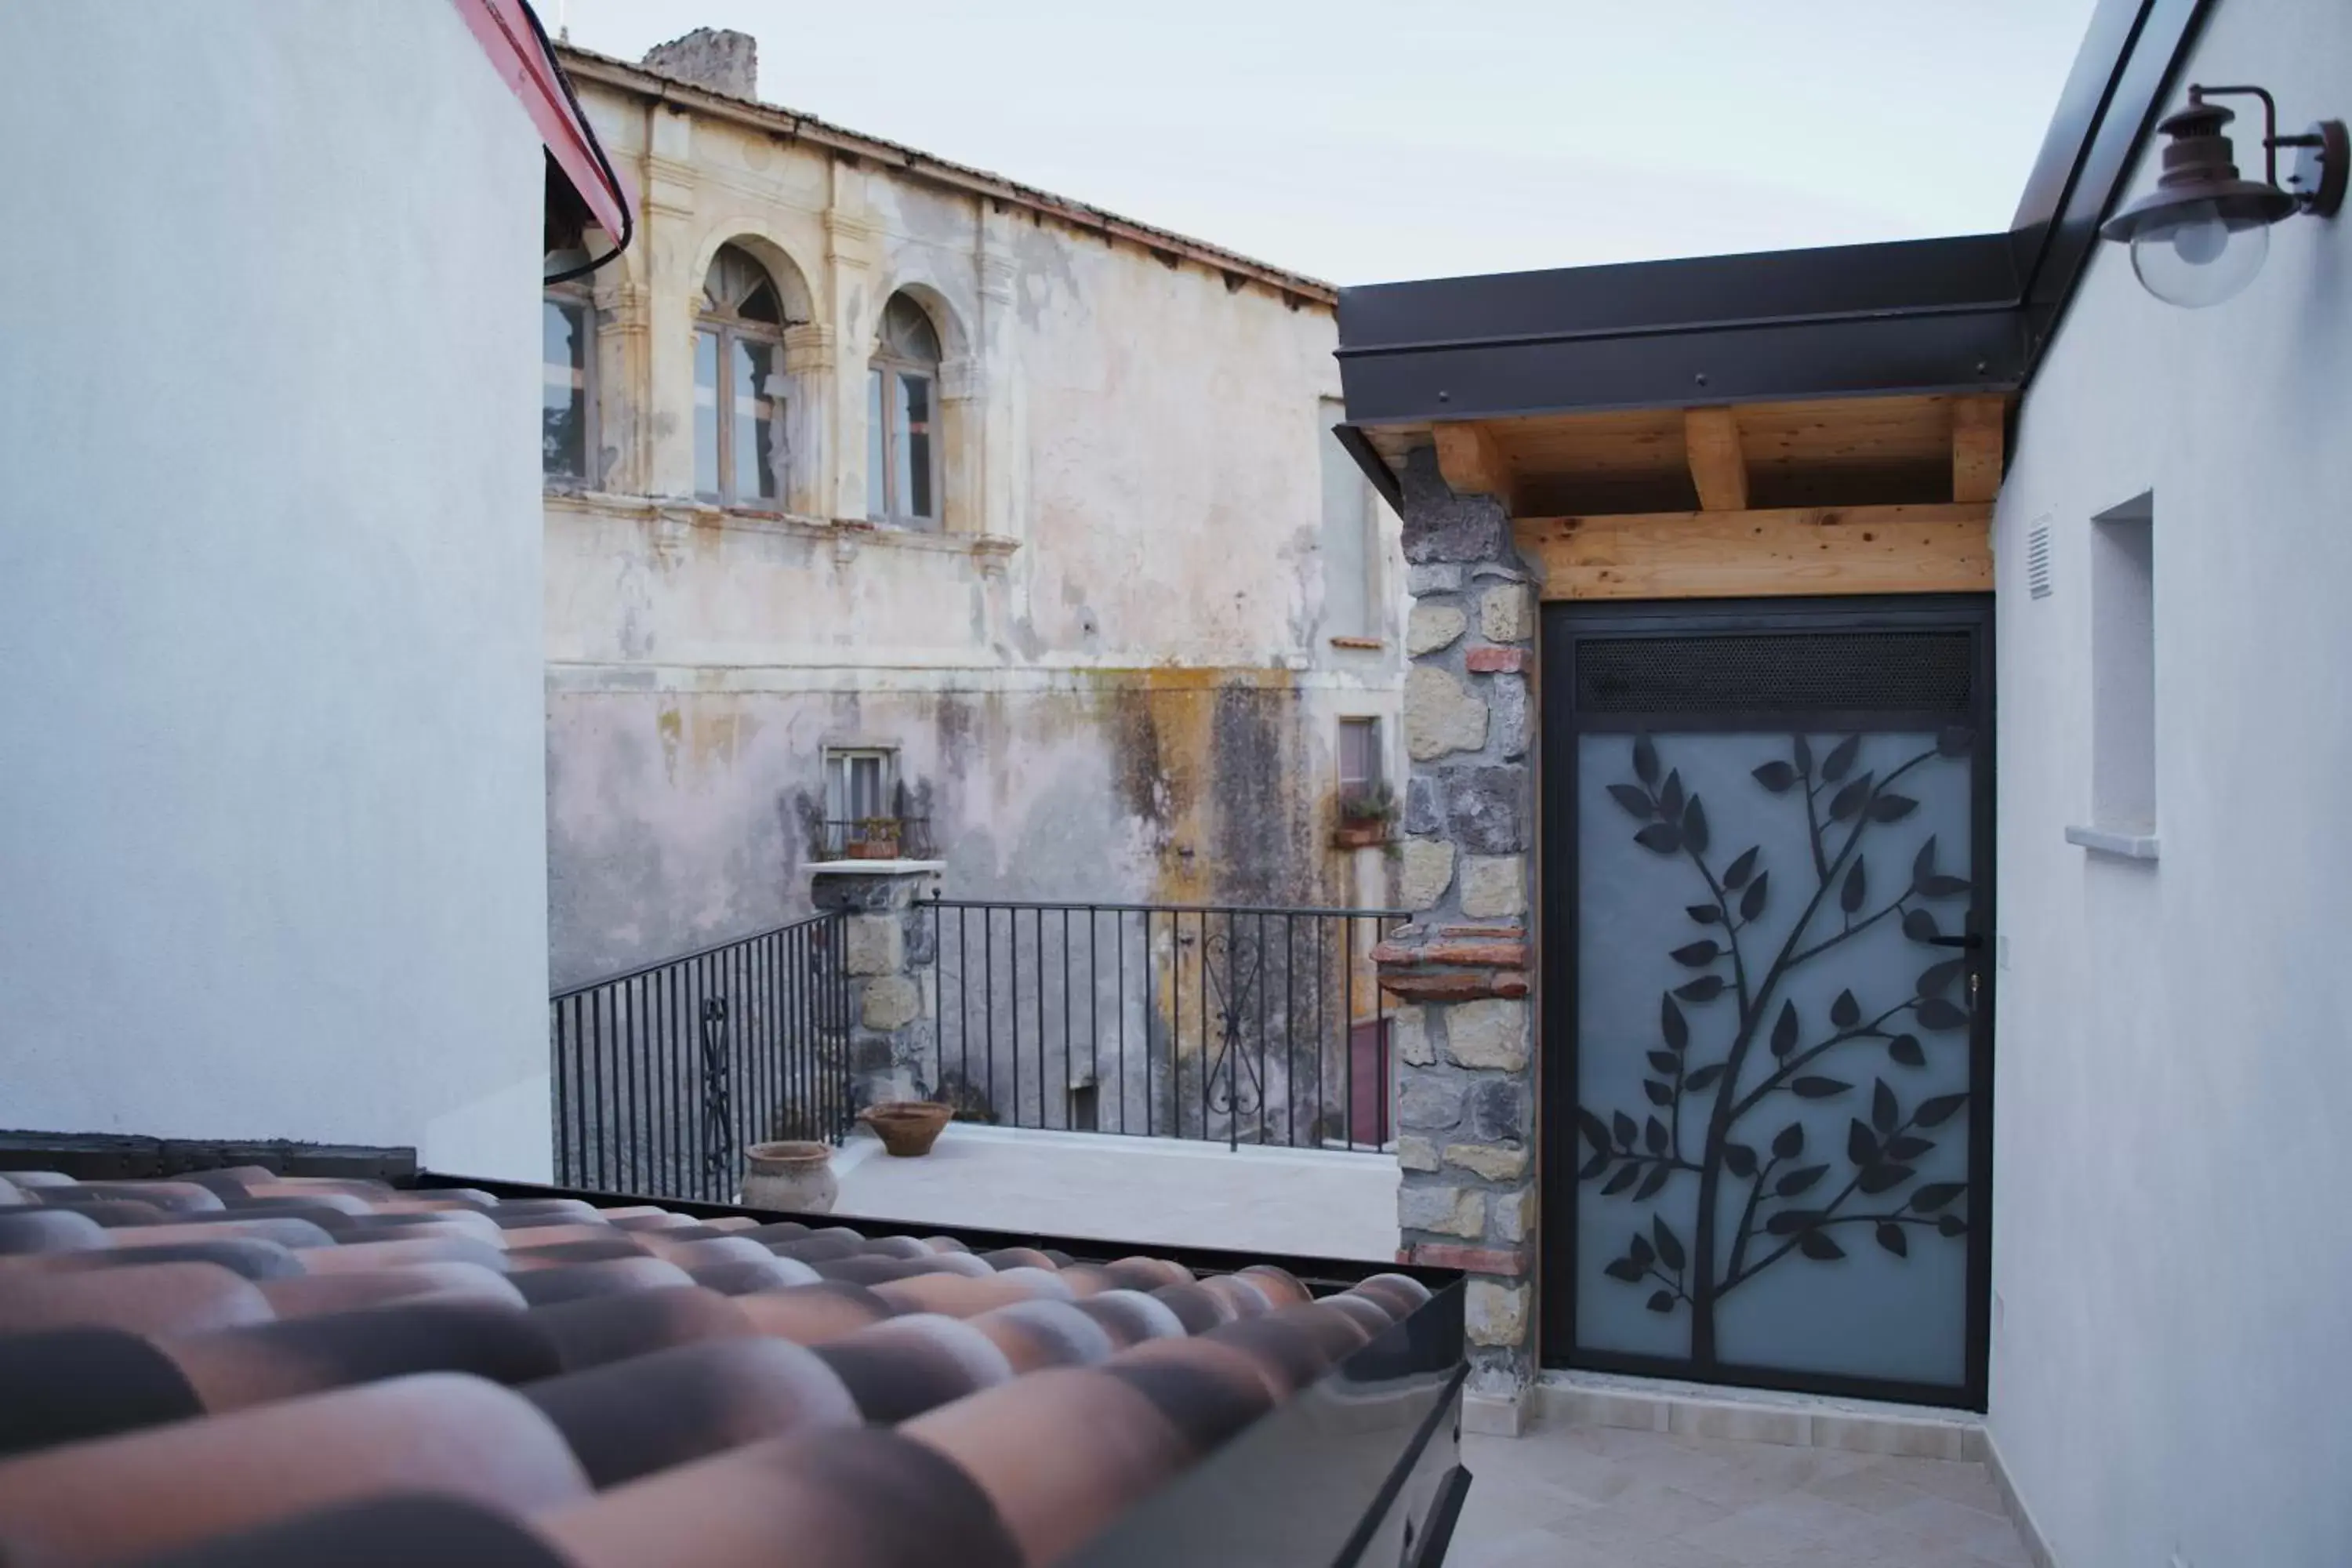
[1908, 673]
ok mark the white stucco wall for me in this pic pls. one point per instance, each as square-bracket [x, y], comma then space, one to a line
[1113, 668]
[2172, 1260]
[272, 808]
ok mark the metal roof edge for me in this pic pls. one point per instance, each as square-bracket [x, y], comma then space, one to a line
[1960, 312]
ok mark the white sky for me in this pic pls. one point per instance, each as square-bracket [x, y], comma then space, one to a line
[1384, 139]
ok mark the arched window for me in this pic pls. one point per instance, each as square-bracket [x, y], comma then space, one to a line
[567, 375]
[902, 412]
[739, 403]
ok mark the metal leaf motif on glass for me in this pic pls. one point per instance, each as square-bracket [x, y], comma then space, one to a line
[1789, 1208]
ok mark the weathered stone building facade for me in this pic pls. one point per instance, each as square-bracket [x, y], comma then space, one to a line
[879, 485]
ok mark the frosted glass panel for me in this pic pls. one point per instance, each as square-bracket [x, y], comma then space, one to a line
[1774, 1051]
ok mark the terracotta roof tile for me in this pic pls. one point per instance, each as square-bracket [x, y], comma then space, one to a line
[155, 1299]
[239, 1368]
[172, 1484]
[872, 1498]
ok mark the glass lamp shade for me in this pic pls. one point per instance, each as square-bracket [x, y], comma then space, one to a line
[2197, 253]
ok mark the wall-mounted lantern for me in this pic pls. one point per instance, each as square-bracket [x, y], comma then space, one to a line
[2201, 236]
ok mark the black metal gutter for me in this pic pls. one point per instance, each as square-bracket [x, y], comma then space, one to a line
[1969, 312]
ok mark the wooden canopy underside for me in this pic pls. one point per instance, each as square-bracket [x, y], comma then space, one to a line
[1881, 495]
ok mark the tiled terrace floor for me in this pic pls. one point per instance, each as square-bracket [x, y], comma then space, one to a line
[1156, 1192]
[1604, 1497]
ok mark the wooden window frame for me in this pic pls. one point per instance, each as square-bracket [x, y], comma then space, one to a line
[728, 330]
[889, 366]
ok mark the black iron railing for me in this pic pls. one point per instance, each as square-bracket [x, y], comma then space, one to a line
[875, 838]
[665, 1075]
[1231, 1025]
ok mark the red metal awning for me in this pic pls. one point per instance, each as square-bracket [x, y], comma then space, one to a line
[507, 36]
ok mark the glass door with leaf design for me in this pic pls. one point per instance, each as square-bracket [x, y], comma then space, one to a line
[1767, 1050]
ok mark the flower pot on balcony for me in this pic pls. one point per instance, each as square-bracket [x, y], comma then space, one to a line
[794, 1177]
[1360, 834]
[873, 849]
[907, 1127]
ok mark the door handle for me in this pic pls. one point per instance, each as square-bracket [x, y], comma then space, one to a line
[1972, 942]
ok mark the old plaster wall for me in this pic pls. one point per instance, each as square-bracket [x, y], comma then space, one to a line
[1110, 676]
[678, 817]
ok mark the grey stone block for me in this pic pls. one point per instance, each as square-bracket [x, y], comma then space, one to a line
[1433, 577]
[1496, 1112]
[1442, 526]
[1485, 808]
[922, 938]
[1423, 812]
[1426, 1100]
[1506, 703]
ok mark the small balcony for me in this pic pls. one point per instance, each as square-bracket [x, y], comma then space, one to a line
[874, 839]
[1198, 1075]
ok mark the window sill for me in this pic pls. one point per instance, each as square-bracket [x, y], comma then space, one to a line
[2118, 843]
[862, 530]
[877, 867]
[848, 533]
[685, 510]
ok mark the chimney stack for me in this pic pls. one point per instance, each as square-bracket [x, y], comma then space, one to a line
[712, 58]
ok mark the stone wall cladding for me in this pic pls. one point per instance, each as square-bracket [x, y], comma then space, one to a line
[1466, 1027]
[887, 955]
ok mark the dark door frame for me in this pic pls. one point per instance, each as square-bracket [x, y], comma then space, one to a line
[1563, 624]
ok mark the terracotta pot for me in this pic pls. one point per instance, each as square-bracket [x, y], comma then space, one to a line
[1360, 834]
[907, 1127]
[793, 1176]
[873, 849]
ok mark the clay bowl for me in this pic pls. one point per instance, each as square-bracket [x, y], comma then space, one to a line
[907, 1127]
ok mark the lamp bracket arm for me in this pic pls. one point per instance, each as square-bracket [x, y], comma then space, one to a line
[2272, 141]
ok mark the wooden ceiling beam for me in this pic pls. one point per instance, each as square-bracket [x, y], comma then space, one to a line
[1977, 448]
[1472, 464]
[1717, 466]
[1920, 549]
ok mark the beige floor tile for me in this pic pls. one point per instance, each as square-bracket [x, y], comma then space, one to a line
[1878, 1486]
[1954, 1481]
[1646, 1514]
[1531, 1549]
[1651, 1500]
[1502, 1504]
[1779, 1527]
[1940, 1522]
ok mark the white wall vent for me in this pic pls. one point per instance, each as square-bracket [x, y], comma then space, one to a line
[2037, 559]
